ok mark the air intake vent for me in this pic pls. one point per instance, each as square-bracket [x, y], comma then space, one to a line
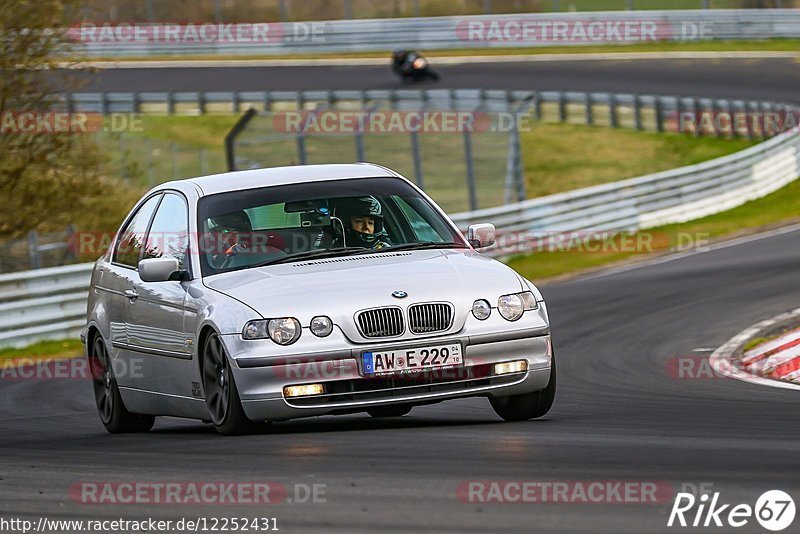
[360, 257]
[427, 318]
[381, 322]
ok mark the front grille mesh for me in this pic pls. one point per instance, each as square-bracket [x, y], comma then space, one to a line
[427, 318]
[381, 322]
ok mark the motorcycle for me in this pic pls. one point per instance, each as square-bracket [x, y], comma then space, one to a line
[412, 66]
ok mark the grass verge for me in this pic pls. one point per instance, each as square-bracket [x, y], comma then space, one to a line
[51, 349]
[778, 208]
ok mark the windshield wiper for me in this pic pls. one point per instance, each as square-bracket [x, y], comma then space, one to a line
[422, 246]
[316, 254]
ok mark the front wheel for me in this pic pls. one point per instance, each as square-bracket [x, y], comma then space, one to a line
[528, 405]
[222, 397]
[113, 414]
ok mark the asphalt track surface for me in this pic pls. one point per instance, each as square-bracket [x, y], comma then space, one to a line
[765, 79]
[621, 414]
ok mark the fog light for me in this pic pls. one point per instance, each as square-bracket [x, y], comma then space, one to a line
[510, 367]
[302, 391]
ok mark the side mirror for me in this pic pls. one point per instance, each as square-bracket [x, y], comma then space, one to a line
[481, 235]
[158, 269]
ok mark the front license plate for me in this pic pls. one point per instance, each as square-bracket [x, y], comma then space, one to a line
[412, 360]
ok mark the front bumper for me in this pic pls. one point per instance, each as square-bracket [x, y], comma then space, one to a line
[260, 382]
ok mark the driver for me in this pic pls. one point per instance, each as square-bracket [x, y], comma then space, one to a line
[228, 230]
[362, 220]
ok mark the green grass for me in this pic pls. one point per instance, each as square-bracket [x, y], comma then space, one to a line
[778, 208]
[65, 348]
[559, 157]
[774, 45]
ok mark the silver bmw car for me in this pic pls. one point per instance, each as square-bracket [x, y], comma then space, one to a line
[250, 297]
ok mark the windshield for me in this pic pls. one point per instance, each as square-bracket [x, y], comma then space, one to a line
[279, 224]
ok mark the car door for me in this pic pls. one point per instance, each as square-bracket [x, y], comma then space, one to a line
[156, 316]
[116, 283]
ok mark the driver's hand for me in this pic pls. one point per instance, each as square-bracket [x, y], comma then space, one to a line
[234, 249]
[379, 245]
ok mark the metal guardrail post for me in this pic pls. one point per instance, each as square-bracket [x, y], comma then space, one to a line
[201, 102]
[589, 110]
[473, 195]
[230, 138]
[679, 114]
[637, 113]
[537, 106]
[698, 116]
[659, 109]
[137, 102]
[237, 102]
[33, 250]
[748, 107]
[170, 103]
[104, 103]
[612, 110]
[562, 107]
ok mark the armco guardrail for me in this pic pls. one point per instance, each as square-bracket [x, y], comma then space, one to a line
[453, 32]
[673, 196]
[43, 304]
[617, 110]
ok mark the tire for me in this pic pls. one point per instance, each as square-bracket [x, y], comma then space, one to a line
[528, 405]
[222, 397]
[394, 410]
[113, 414]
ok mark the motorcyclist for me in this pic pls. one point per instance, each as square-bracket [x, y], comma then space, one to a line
[361, 220]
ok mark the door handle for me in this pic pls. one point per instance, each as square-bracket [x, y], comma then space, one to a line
[131, 294]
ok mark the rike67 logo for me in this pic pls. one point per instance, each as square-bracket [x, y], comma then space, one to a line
[774, 510]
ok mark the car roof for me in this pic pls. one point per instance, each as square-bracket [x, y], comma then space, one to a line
[239, 180]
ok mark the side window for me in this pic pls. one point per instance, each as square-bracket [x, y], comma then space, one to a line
[169, 233]
[422, 229]
[131, 238]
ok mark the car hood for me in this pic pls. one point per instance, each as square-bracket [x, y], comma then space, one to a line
[340, 287]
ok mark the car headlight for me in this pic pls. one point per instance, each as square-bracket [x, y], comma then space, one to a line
[511, 307]
[284, 331]
[321, 326]
[481, 309]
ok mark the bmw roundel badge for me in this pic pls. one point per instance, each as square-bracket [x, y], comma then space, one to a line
[399, 294]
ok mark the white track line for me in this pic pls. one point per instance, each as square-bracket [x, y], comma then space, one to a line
[443, 60]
